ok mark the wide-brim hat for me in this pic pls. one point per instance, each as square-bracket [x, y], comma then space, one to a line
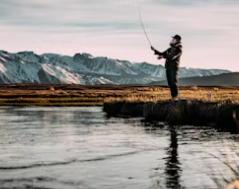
[178, 37]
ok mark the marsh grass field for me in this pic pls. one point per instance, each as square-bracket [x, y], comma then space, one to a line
[79, 95]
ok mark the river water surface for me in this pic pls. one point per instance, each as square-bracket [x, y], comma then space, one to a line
[70, 148]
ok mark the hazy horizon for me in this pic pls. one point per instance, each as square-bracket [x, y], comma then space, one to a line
[109, 28]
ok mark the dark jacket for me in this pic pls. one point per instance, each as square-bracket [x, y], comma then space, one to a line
[172, 56]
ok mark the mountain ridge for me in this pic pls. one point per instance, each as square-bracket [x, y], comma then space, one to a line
[84, 69]
[228, 79]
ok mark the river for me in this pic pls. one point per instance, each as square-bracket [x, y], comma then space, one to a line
[79, 147]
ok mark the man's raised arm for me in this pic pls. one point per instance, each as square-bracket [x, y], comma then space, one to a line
[156, 51]
[174, 55]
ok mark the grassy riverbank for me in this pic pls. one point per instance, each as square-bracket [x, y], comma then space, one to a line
[77, 95]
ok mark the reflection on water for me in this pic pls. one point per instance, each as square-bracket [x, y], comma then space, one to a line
[81, 148]
[172, 169]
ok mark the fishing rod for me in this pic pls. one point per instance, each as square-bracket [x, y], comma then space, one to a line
[144, 28]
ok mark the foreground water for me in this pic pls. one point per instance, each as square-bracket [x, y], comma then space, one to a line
[81, 148]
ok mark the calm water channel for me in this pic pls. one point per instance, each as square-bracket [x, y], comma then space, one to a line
[70, 148]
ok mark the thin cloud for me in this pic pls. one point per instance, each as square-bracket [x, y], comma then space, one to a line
[111, 28]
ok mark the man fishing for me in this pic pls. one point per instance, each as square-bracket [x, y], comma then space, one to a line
[172, 56]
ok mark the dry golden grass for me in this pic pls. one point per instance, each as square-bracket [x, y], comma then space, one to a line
[37, 95]
[194, 87]
[221, 95]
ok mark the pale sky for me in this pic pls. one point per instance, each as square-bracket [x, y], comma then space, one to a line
[209, 29]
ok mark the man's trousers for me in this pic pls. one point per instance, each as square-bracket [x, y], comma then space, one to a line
[172, 77]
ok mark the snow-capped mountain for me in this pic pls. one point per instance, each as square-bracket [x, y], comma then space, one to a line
[28, 67]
